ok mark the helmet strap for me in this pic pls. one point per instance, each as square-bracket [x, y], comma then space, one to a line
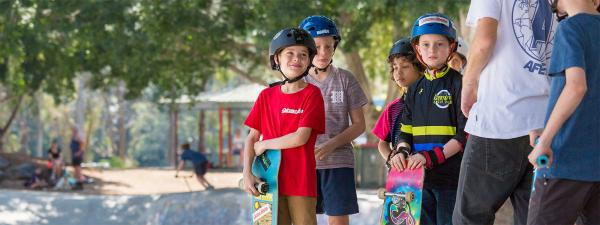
[317, 69]
[286, 79]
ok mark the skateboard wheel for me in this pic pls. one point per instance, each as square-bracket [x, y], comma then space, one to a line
[262, 187]
[381, 193]
[542, 161]
[409, 196]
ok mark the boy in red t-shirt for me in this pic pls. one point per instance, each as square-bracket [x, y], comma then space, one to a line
[288, 115]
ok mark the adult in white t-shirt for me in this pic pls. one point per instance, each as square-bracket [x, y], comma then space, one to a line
[504, 95]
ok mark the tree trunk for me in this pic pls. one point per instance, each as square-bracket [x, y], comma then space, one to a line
[88, 133]
[121, 122]
[201, 129]
[171, 154]
[4, 129]
[355, 65]
[40, 127]
[80, 102]
[109, 127]
[393, 92]
[24, 132]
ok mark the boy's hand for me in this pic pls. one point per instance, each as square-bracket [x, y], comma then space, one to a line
[416, 161]
[259, 148]
[398, 162]
[533, 135]
[468, 96]
[321, 151]
[249, 181]
[541, 148]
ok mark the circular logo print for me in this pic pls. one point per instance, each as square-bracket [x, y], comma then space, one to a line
[442, 99]
[532, 24]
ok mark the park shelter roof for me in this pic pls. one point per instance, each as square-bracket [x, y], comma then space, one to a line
[240, 97]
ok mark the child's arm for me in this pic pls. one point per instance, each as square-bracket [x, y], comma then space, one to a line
[452, 147]
[569, 99]
[249, 179]
[291, 140]
[435, 157]
[384, 148]
[179, 167]
[357, 127]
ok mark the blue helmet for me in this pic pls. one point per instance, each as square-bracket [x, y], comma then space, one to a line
[402, 47]
[289, 37]
[321, 26]
[434, 23]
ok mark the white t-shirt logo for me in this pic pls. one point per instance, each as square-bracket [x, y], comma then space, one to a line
[532, 26]
[292, 111]
[337, 96]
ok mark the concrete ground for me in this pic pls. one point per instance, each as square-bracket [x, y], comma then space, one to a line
[154, 196]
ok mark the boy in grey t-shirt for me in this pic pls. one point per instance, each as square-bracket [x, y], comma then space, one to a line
[344, 99]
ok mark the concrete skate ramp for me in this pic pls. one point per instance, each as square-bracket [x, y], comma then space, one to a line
[223, 206]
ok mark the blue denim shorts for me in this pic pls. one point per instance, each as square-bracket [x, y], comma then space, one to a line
[200, 169]
[336, 192]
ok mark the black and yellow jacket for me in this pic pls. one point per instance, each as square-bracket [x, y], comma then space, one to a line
[432, 117]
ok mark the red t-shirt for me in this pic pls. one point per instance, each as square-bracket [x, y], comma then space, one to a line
[276, 114]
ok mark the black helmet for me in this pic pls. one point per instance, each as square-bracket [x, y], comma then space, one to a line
[290, 37]
[402, 47]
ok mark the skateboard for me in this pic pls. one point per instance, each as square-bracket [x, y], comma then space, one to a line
[540, 172]
[264, 206]
[185, 178]
[402, 197]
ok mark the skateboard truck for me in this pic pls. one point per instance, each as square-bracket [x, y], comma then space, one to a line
[262, 187]
[408, 196]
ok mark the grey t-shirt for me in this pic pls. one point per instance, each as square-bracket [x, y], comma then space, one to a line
[341, 94]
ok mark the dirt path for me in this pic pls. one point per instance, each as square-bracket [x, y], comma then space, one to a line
[144, 181]
[156, 181]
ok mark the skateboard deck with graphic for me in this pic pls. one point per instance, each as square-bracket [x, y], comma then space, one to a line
[402, 197]
[264, 206]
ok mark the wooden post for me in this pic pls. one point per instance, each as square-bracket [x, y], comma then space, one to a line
[229, 141]
[220, 136]
[172, 155]
[201, 128]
